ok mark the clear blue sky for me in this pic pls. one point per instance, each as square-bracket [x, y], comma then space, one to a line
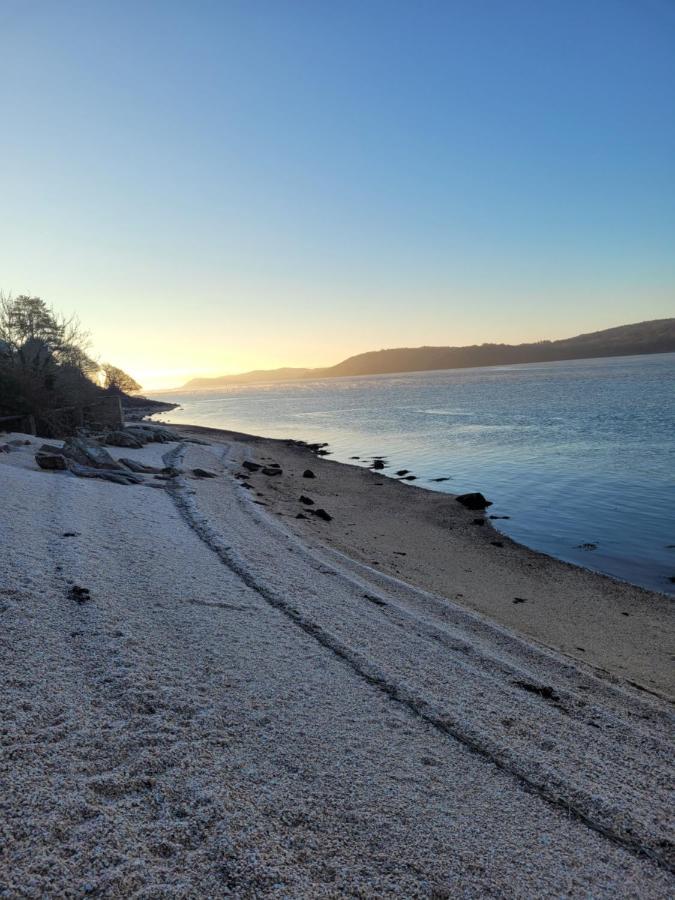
[215, 186]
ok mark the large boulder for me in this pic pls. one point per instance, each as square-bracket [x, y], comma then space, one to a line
[88, 453]
[123, 439]
[474, 501]
[51, 461]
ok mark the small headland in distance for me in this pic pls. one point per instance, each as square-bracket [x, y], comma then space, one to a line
[655, 336]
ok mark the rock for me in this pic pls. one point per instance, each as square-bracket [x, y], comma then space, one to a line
[378, 464]
[79, 594]
[323, 452]
[308, 474]
[473, 501]
[301, 516]
[402, 472]
[123, 439]
[51, 461]
[520, 600]
[500, 517]
[410, 478]
[271, 470]
[19, 442]
[172, 471]
[322, 514]
[114, 475]
[444, 478]
[251, 466]
[140, 468]
[355, 457]
[497, 543]
[306, 500]
[479, 521]
[87, 453]
[204, 473]
[5, 448]
[153, 434]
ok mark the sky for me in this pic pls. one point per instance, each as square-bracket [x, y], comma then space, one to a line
[221, 186]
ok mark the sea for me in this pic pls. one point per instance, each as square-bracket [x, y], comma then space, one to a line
[579, 455]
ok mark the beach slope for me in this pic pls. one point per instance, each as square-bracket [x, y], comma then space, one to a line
[238, 706]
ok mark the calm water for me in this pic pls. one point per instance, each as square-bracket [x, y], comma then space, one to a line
[576, 453]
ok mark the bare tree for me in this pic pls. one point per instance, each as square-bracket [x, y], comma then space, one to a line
[115, 379]
[28, 322]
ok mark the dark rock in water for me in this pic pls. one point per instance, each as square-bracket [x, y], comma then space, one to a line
[322, 514]
[204, 473]
[51, 461]
[587, 546]
[308, 474]
[443, 478]
[306, 500]
[355, 457]
[79, 594]
[323, 452]
[410, 478]
[672, 579]
[479, 521]
[473, 501]
[251, 466]
[402, 472]
[378, 464]
[123, 439]
[301, 516]
[500, 517]
[271, 470]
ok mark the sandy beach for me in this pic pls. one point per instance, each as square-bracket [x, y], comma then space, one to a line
[388, 700]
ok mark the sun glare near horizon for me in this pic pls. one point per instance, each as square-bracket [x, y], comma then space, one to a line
[241, 186]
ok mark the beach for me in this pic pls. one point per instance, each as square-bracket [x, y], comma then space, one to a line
[253, 699]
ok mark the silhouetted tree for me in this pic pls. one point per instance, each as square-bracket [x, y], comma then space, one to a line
[26, 320]
[115, 379]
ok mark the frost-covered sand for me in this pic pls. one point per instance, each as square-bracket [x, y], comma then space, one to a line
[243, 709]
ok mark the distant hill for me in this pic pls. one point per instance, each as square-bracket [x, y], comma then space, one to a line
[657, 336]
